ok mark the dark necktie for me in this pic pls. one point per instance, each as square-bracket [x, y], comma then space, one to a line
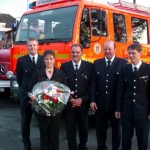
[33, 61]
[76, 68]
[135, 71]
[108, 64]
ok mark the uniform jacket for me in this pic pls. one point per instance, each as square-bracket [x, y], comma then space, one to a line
[79, 82]
[133, 94]
[104, 83]
[40, 75]
[24, 71]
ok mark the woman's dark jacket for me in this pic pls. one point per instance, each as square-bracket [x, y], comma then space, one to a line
[40, 75]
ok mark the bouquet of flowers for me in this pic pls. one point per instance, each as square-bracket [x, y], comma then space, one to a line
[49, 97]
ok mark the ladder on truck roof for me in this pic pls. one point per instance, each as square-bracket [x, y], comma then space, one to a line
[131, 7]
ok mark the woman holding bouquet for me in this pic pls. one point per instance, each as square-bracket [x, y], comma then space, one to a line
[48, 125]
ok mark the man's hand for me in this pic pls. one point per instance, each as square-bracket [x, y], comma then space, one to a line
[76, 102]
[118, 115]
[93, 106]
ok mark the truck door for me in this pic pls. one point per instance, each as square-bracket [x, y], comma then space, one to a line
[93, 32]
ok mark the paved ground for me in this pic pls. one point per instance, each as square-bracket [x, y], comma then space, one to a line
[10, 138]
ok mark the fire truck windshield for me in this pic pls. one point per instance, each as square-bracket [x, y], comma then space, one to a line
[53, 25]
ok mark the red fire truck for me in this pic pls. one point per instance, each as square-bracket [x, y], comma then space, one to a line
[6, 40]
[57, 24]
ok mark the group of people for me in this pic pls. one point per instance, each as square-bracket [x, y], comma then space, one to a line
[110, 87]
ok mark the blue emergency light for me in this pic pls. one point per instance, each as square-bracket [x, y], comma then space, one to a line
[31, 5]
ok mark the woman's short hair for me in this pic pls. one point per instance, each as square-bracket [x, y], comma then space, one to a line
[48, 52]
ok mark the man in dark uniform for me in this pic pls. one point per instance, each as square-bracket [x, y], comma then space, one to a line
[78, 74]
[26, 65]
[133, 99]
[103, 95]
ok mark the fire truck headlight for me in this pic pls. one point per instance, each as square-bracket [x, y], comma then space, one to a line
[15, 84]
[10, 75]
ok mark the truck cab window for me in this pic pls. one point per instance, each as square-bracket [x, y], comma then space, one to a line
[50, 25]
[120, 34]
[99, 23]
[85, 28]
[139, 30]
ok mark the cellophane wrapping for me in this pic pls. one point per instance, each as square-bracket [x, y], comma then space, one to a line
[49, 97]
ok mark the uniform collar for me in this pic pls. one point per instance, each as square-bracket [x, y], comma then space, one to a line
[137, 66]
[112, 59]
[35, 56]
[79, 63]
